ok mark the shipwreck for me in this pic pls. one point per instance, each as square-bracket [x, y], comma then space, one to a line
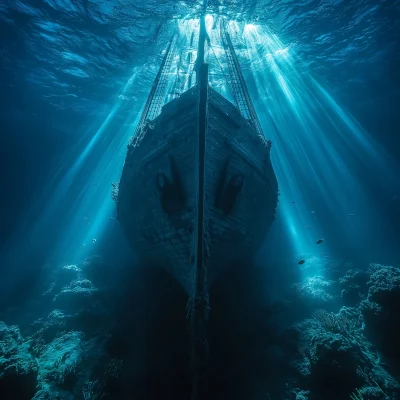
[198, 190]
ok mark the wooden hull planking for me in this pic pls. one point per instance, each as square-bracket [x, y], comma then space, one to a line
[157, 201]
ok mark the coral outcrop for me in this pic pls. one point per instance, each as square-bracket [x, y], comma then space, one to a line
[333, 335]
[18, 368]
[353, 286]
[357, 346]
[332, 348]
[381, 310]
[63, 353]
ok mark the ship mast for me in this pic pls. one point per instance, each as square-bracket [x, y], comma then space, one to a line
[199, 301]
[202, 39]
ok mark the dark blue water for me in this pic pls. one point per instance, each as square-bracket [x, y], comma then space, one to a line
[325, 80]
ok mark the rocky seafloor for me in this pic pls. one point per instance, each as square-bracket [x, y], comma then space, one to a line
[59, 350]
[348, 346]
[87, 333]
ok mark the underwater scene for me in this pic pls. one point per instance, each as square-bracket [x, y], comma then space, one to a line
[200, 199]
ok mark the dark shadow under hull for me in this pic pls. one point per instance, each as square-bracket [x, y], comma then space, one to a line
[153, 337]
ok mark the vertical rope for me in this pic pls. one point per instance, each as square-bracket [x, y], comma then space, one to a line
[154, 101]
[238, 85]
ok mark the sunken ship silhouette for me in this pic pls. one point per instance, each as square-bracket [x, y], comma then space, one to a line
[197, 190]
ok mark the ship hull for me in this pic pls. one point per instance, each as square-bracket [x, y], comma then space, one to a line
[188, 165]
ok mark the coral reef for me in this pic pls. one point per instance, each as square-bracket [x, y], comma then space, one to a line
[348, 346]
[353, 286]
[63, 353]
[332, 335]
[381, 310]
[332, 348]
[316, 289]
[18, 368]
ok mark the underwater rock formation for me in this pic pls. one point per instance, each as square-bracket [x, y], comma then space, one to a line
[58, 364]
[298, 346]
[64, 352]
[316, 291]
[58, 278]
[357, 345]
[381, 310]
[79, 294]
[332, 349]
[327, 358]
[353, 286]
[18, 368]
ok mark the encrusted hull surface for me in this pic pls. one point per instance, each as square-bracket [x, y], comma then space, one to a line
[158, 193]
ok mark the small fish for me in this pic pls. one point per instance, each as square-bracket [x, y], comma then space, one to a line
[308, 226]
[293, 202]
[301, 262]
[312, 212]
[396, 197]
[319, 241]
[352, 215]
[94, 240]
